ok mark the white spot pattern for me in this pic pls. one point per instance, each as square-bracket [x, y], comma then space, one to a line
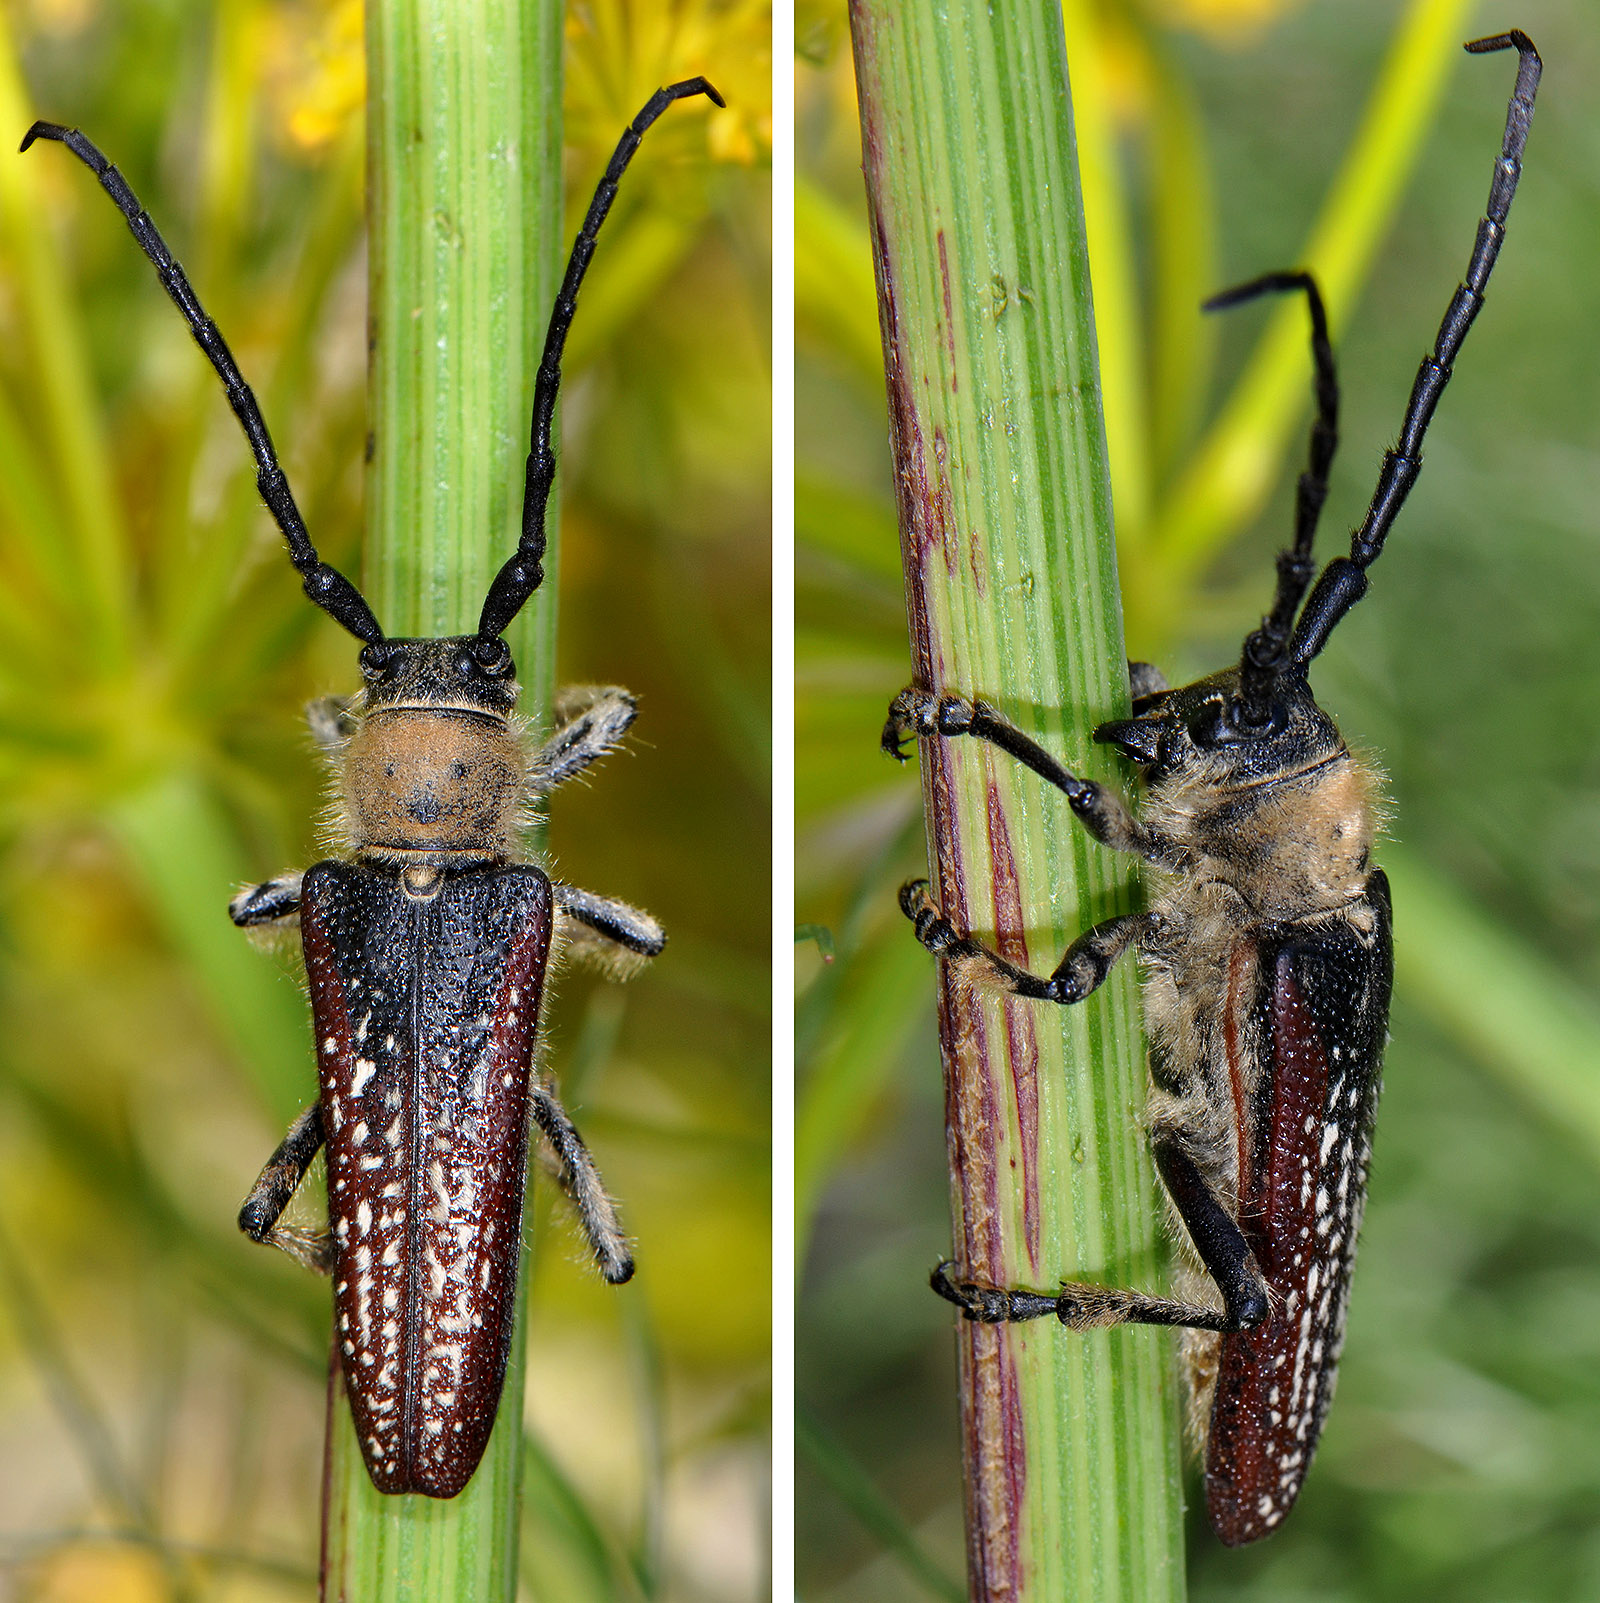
[422, 1259]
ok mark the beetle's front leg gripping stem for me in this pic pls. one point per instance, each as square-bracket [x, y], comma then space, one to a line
[1103, 813]
[929, 716]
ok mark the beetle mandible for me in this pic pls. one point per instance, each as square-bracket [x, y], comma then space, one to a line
[1267, 957]
[426, 945]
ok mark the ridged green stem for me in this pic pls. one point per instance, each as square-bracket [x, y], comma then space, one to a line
[464, 220]
[1070, 1441]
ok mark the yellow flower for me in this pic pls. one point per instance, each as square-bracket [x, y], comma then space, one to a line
[620, 50]
[315, 72]
[1223, 19]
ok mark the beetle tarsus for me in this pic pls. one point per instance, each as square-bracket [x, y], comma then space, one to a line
[1079, 974]
[988, 1305]
[590, 722]
[276, 1184]
[581, 1181]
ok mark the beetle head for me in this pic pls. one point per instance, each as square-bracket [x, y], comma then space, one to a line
[1201, 731]
[466, 672]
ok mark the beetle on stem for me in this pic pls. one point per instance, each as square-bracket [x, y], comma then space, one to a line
[1267, 957]
[426, 946]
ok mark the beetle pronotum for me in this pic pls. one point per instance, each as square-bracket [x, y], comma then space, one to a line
[426, 945]
[1267, 958]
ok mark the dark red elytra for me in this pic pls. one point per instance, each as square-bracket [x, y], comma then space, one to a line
[425, 1016]
[1321, 1014]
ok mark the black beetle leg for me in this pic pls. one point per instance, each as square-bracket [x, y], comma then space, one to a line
[605, 933]
[1081, 972]
[1217, 1239]
[590, 721]
[270, 1195]
[581, 1181]
[275, 901]
[1102, 812]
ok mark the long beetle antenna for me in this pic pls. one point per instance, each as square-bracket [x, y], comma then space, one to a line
[1262, 658]
[1344, 580]
[329, 588]
[523, 571]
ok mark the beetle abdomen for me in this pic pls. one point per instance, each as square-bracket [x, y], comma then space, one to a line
[1322, 1016]
[425, 1014]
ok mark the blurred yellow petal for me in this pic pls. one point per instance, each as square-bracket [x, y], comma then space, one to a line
[619, 51]
[314, 71]
[62, 18]
[1231, 21]
[103, 1575]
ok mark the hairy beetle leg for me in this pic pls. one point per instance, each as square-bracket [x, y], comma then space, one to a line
[278, 1182]
[1077, 1306]
[590, 721]
[604, 933]
[1218, 1240]
[330, 721]
[1080, 973]
[1103, 813]
[581, 1181]
[275, 901]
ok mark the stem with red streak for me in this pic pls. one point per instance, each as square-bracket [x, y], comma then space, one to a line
[1070, 1441]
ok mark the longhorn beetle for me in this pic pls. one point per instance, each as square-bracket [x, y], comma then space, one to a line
[1267, 957]
[426, 946]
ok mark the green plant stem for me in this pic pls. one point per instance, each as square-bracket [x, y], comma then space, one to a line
[1071, 1441]
[464, 215]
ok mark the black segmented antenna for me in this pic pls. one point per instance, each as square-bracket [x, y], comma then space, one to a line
[523, 571]
[1263, 653]
[325, 585]
[1344, 580]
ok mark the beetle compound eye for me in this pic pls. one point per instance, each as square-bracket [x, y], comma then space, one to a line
[491, 655]
[1214, 726]
[1228, 723]
[377, 661]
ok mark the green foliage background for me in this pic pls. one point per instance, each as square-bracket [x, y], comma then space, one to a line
[1462, 1459]
[161, 1380]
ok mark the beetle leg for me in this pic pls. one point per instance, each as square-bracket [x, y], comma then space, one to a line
[1145, 679]
[590, 721]
[1082, 971]
[1103, 813]
[276, 901]
[1217, 1239]
[1077, 1306]
[330, 722]
[581, 1181]
[270, 1195]
[609, 934]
